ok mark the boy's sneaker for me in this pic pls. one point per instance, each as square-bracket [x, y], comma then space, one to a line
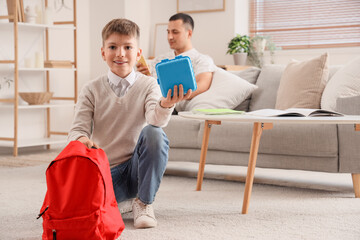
[144, 216]
[126, 206]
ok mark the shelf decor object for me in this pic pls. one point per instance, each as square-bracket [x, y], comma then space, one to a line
[34, 98]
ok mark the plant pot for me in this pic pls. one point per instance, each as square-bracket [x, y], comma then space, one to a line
[240, 58]
[259, 45]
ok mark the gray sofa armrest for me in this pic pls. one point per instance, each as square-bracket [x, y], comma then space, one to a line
[349, 139]
[348, 105]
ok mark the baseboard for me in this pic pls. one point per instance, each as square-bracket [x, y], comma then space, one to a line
[341, 182]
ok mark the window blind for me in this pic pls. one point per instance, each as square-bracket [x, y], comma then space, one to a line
[295, 24]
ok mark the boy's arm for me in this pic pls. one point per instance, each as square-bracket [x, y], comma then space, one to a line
[83, 117]
[158, 109]
[154, 113]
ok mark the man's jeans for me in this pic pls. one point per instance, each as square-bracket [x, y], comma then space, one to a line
[141, 175]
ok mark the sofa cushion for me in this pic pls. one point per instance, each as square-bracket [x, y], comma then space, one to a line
[250, 75]
[344, 83]
[268, 83]
[226, 91]
[302, 83]
[319, 140]
[183, 133]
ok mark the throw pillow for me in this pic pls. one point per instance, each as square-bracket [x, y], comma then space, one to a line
[344, 83]
[250, 75]
[302, 83]
[226, 91]
[268, 83]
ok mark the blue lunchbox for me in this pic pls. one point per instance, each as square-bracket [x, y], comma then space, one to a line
[175, 72]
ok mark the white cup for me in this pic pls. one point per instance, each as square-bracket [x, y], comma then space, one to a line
[39, 62]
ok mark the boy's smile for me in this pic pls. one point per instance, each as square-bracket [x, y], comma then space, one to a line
[121, 53]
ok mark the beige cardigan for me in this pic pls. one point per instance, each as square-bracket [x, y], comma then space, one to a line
[115, 123]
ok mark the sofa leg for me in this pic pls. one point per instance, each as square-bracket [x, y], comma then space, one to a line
[356, 184]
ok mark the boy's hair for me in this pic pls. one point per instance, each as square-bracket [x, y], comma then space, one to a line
[187, 20]
[121, 26]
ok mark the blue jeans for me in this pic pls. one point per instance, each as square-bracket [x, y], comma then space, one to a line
[141, 175]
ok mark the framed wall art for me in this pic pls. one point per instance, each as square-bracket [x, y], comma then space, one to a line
[198, 6]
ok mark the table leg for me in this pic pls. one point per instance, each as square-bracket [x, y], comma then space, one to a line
[257, 130]
[204, 147]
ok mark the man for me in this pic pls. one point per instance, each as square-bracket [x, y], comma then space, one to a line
[180, 30]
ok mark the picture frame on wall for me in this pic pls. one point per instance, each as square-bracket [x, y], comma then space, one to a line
[161, 44]
[198, 6]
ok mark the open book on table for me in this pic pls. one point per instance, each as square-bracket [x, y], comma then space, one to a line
[216, 111]
[294, 112]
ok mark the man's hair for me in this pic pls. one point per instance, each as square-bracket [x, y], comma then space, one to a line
[187, 20]
[121, 26]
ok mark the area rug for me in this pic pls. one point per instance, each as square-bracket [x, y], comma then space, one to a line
[276, 212]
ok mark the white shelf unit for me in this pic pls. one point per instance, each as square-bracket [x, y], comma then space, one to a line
[43, 106]
[44, 69]
[44, 26]
[35, 141]
[52, 137]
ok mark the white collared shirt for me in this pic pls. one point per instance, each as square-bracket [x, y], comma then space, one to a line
[119, 85]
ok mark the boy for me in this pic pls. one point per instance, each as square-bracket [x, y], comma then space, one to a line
[113, 112]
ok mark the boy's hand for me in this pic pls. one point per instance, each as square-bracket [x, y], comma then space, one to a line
[143, 69]
[87, 142]
[169, 101]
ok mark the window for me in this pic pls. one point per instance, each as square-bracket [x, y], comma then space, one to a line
[298, 24]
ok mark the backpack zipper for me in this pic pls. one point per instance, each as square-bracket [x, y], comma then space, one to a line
[42, 213]
[54, 234]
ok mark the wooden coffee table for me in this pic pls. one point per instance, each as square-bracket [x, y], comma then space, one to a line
[260, 124]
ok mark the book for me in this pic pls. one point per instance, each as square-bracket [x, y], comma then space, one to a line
[294, 112]
[216, 111]
[143, 62]
[57, 64]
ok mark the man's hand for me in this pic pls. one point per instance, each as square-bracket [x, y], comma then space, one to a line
[169, 101]
[143, 69]
[87, 142]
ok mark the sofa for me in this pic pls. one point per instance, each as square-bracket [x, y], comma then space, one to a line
[314, 147]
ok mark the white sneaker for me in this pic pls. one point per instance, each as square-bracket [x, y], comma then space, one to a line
[144, 216]
[126, 206]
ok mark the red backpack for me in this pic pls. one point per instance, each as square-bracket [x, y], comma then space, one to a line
[80, 201]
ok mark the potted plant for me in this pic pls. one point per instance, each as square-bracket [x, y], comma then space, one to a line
[239, 48]
[5, 82]
[258, 44]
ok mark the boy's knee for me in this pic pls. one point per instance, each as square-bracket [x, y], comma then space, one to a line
[155, 135]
